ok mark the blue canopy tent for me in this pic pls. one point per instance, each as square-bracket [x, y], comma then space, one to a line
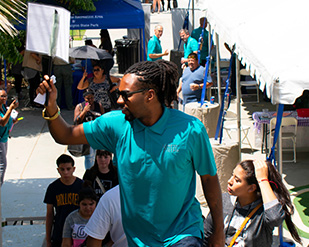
[111, 14]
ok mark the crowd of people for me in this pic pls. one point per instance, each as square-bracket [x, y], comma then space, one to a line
[88, 212]
[158, 6]
[71, 201]
[34, 66]
[192, 63]
[139, 185]
[157, 166]
[96, 84]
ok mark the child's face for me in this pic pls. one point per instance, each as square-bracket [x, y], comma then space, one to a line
[103, 161]
[66, 170]
[86, 207]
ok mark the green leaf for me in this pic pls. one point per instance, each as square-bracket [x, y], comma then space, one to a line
[11, 12]
[77, 5]
[9, 47]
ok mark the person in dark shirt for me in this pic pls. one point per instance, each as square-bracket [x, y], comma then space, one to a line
[88, 111]
[103, 175]
[62, 198]
[106, 43]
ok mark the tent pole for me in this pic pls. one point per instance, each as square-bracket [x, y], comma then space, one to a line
[144, 44]
[279, 165]
[238, 105]
[140, 45]
[218, 69]
[1, 219]
[193, 15]
[209, 48]
[279, 148]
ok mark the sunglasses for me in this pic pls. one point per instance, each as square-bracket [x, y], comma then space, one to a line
[96, 70]
[125, 94]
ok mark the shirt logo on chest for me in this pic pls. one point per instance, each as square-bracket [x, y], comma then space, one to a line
[171, 148]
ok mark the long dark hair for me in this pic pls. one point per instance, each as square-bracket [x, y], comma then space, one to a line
[160, 75]
[95, 168]
[106, 42]
[280, 191]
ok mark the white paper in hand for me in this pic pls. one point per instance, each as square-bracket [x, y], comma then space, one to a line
[14, 114]
[40, 30]
[40, 98]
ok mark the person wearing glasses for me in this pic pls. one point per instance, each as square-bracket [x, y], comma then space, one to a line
[196, 34]
[99, 84]
[159, 150]
[88, 111]
[190, 45]
[6, 122]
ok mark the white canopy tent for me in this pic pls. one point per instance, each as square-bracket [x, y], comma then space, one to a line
[271, 38]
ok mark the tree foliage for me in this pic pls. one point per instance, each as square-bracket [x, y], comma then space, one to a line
[11, 12]
[10, 45]
[14, 11]
[77, 5]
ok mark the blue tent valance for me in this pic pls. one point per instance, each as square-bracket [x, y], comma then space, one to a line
[109, 14]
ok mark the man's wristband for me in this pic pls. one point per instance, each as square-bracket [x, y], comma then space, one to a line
[51, 117]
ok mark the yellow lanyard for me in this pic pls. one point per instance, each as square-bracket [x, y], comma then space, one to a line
[243, 224]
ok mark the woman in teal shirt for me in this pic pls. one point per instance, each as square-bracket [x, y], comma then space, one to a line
[6, 122]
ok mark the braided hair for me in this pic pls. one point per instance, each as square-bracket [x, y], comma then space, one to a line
[161, 76]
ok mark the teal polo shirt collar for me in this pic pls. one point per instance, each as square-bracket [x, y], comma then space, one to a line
[156, 39]
[157, 128]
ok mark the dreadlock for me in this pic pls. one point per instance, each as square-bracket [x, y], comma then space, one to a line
[160, 75]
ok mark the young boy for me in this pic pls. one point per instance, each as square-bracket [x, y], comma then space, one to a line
[61, 196]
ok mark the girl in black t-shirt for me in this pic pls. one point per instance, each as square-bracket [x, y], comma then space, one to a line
[103, 175]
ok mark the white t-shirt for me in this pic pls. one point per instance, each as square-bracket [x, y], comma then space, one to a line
[107, 217]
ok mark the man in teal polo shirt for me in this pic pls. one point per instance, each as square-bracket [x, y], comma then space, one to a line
[154, 48]
[190, 45]
[196, 34]
[158, 152]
